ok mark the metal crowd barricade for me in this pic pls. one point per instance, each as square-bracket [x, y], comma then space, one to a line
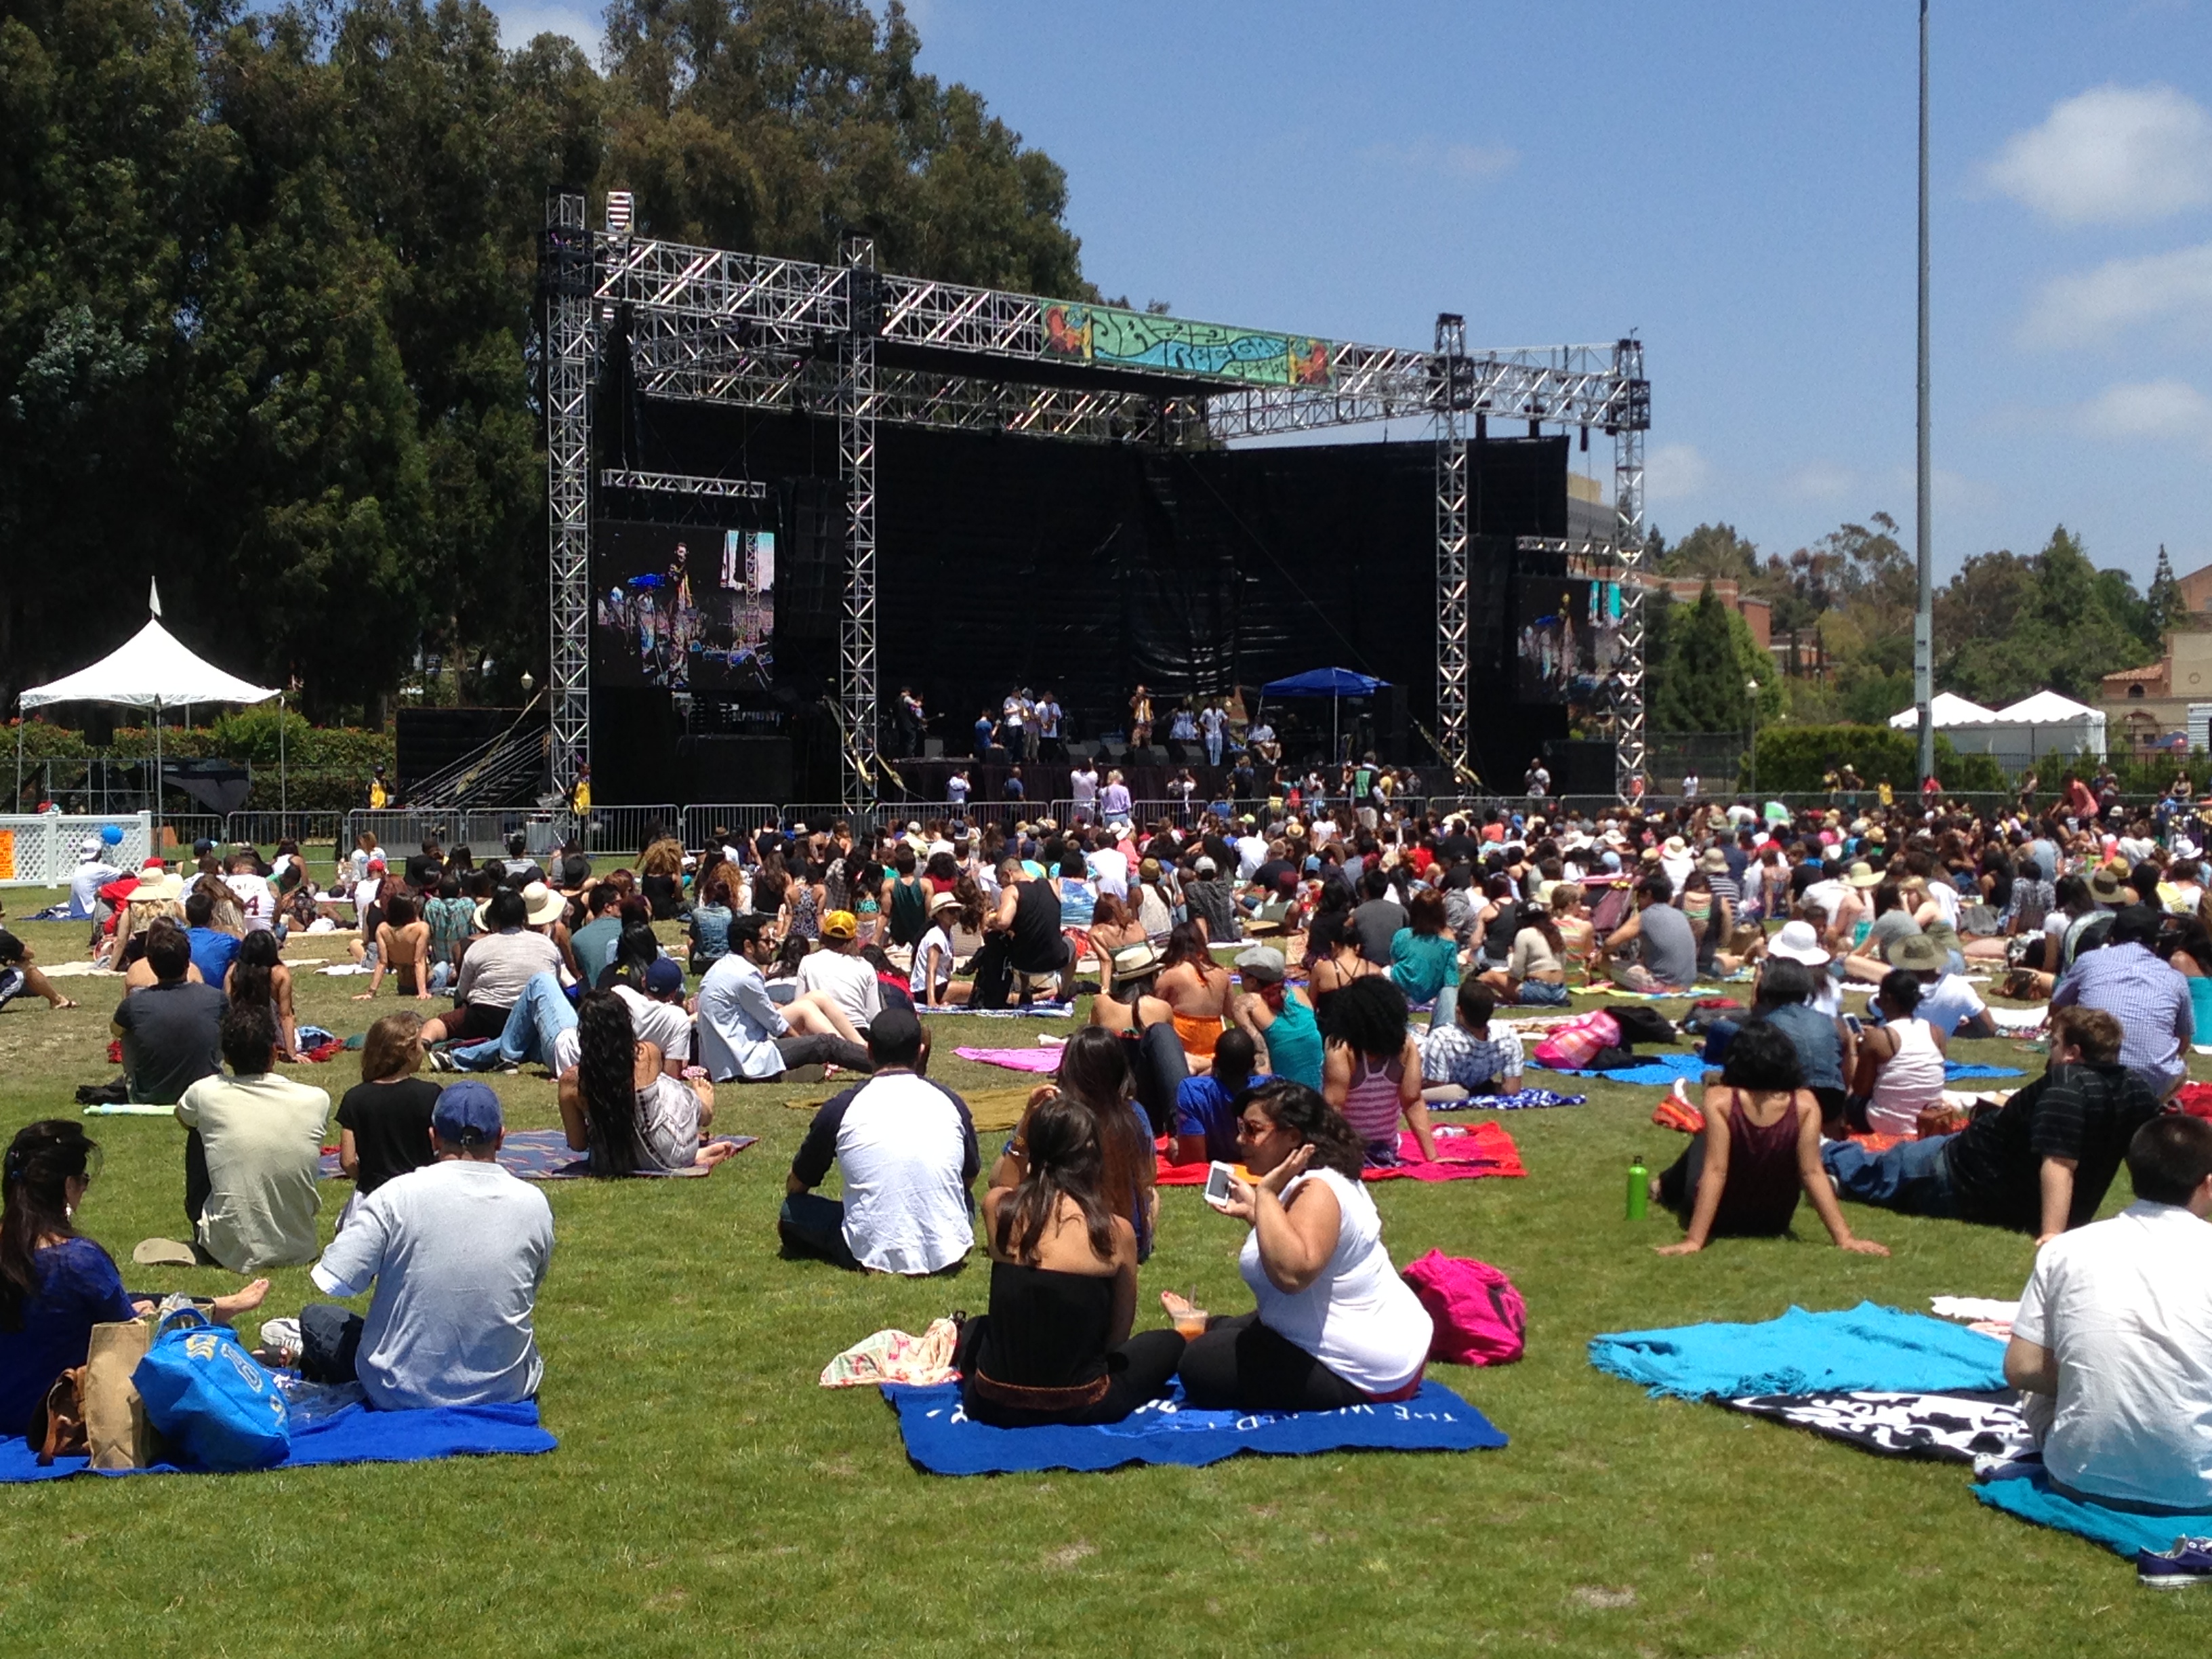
[743, 820]
[624, 830]
[184, 829]
[266, 829]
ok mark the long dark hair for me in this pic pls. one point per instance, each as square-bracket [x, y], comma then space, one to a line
[1301, 1110]
[1066, 1161]
[606, 1076]
[41, 1160]
[1186, 943]
[1094, 1073]
[253, 975]
[636, 950]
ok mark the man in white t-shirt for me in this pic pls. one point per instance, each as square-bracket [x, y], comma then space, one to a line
[458, 1251]
[92, 873]
[1251, 851]
[250, 888]
[2112, 1347]
[839, 972]
[1110, 868]
[905, 1149]
[656, 1015]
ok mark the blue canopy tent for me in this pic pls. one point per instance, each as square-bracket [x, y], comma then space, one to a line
[1335, 683]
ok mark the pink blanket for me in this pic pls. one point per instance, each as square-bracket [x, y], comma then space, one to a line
[1485, 1148]
[1015, 1059]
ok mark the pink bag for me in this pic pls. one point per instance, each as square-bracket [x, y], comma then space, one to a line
[1480, 1317]
[1568, 1046]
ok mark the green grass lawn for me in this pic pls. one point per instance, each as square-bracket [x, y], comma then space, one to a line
[708, 1494]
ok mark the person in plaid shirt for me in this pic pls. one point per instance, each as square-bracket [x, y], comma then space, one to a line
[1467, 1054]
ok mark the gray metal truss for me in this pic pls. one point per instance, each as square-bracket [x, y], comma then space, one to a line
[1451, 544]
[1630, 774]
[568, 370]
[856, 450]
[682, 483]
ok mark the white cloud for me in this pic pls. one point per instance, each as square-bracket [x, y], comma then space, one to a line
[2094, 305]
[1673, 472]
[1820, 481]
[2111, 155]
[2149, 408]
[1473, 162]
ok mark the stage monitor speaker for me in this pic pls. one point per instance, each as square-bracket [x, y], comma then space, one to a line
[1580, 766]
[735, 769]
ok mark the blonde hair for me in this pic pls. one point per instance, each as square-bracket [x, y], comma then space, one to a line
[1566, 898]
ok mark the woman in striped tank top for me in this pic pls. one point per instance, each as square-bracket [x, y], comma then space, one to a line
[1371, 1068]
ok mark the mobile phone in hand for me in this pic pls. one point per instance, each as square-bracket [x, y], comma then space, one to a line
[1217, 1184]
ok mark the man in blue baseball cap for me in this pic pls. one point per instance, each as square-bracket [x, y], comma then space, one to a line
[456, 1251]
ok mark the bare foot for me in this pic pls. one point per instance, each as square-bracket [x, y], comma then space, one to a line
[227, 1308]
[1175, 1304]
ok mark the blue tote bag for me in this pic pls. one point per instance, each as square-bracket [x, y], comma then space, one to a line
[214, 1405]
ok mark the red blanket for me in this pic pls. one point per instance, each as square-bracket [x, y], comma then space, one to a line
[1484, 1150]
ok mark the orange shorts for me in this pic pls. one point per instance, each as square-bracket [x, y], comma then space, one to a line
[1199, 1036]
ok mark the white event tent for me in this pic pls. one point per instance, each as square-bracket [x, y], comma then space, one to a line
[2018, 734]
[153, 671]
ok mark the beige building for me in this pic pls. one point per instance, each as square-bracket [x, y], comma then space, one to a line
[2144, 704]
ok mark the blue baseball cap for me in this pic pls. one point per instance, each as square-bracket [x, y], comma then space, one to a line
[666, 975]
[467, 1114]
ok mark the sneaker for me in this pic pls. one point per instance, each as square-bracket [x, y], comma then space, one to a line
[2189, 1562]
[441, 1059]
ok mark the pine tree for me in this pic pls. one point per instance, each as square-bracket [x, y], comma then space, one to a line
[2166, 608]
[1704, 688]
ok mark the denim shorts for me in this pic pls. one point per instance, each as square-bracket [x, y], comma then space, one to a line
[1541, 994]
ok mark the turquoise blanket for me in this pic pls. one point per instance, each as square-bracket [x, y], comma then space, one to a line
[1868, 1346]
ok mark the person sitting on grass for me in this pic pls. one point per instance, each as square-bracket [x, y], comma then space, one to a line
[403, 949]
[19, 972]
[1424, 955]
[906, 1149]
[1099, 1072]
[1666, 949]
[2040, 1163]
[1901, 1061]
[171, 1029]
[619, 1105]
[55, 1283]
[2111, 1348]
[1206, 1106]
[384, 1120]
[259, 974]
[457, 1252]
[1279, 1018]
[935, 956]
[1371, 1068]
[1055, 1346]
[744, 1034]
[1467, 1057]
[252, 1198]
[1759, 1149]
[1336, 1326]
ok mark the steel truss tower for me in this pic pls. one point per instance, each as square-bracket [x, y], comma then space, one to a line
[566, 358]
[865, 346]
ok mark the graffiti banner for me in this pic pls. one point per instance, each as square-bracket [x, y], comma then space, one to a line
[1101, 334]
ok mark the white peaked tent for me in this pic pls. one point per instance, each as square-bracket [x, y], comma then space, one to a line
[2053, 725]
[1945, 710]
[152, 671]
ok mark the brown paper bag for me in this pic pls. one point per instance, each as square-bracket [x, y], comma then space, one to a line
[115, 1417]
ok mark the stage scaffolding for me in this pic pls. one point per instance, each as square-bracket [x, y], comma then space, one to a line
[861, 347]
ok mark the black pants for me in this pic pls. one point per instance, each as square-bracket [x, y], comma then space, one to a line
[1140, 1370]
[812, 1226]
[1160, 1066]
[1678, 1182]
[197, 1183]
[329, 1342]
[1239, 1365]
[822, 1048]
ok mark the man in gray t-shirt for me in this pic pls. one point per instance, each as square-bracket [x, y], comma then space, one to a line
[1668, 949]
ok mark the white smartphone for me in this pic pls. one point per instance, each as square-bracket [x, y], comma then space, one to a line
[1216, 1183]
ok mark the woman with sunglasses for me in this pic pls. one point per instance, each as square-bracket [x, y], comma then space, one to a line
[56, 1284]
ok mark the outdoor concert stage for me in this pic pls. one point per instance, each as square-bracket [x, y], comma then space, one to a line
[1085, 569]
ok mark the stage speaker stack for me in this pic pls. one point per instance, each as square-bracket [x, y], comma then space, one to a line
[734, 769]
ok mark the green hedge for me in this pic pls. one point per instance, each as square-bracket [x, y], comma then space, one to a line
[1794, 758]
[250, 738]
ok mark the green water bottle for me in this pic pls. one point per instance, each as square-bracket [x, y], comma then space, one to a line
[1640, 1188]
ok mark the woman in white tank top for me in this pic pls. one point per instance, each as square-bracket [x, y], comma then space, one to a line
[1901, 1061]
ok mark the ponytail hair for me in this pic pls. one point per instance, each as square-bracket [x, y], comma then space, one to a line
[1900, 989]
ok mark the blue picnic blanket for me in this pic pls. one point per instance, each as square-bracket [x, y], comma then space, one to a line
[940, 1437]
[2125, 1531]
[1868, 1346]
[1663, 1069]
[354, 1435]
[1522, 1099]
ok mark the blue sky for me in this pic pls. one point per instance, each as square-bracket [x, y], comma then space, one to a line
[1734, 181]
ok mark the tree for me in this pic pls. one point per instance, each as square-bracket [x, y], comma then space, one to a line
[2163, 606]
[1703, 687]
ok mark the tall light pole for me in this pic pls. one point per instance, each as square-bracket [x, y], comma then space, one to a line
[1923, 617]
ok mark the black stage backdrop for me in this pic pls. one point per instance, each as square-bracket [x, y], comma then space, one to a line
[1008, 560]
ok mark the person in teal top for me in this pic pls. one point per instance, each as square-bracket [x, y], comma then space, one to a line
[1277, 1016]
[1423, 953]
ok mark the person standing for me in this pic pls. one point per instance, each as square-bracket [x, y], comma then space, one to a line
[1538, 779]
[1140, 719]
[1083, 786]
[1213, 727]
[1048, 717]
